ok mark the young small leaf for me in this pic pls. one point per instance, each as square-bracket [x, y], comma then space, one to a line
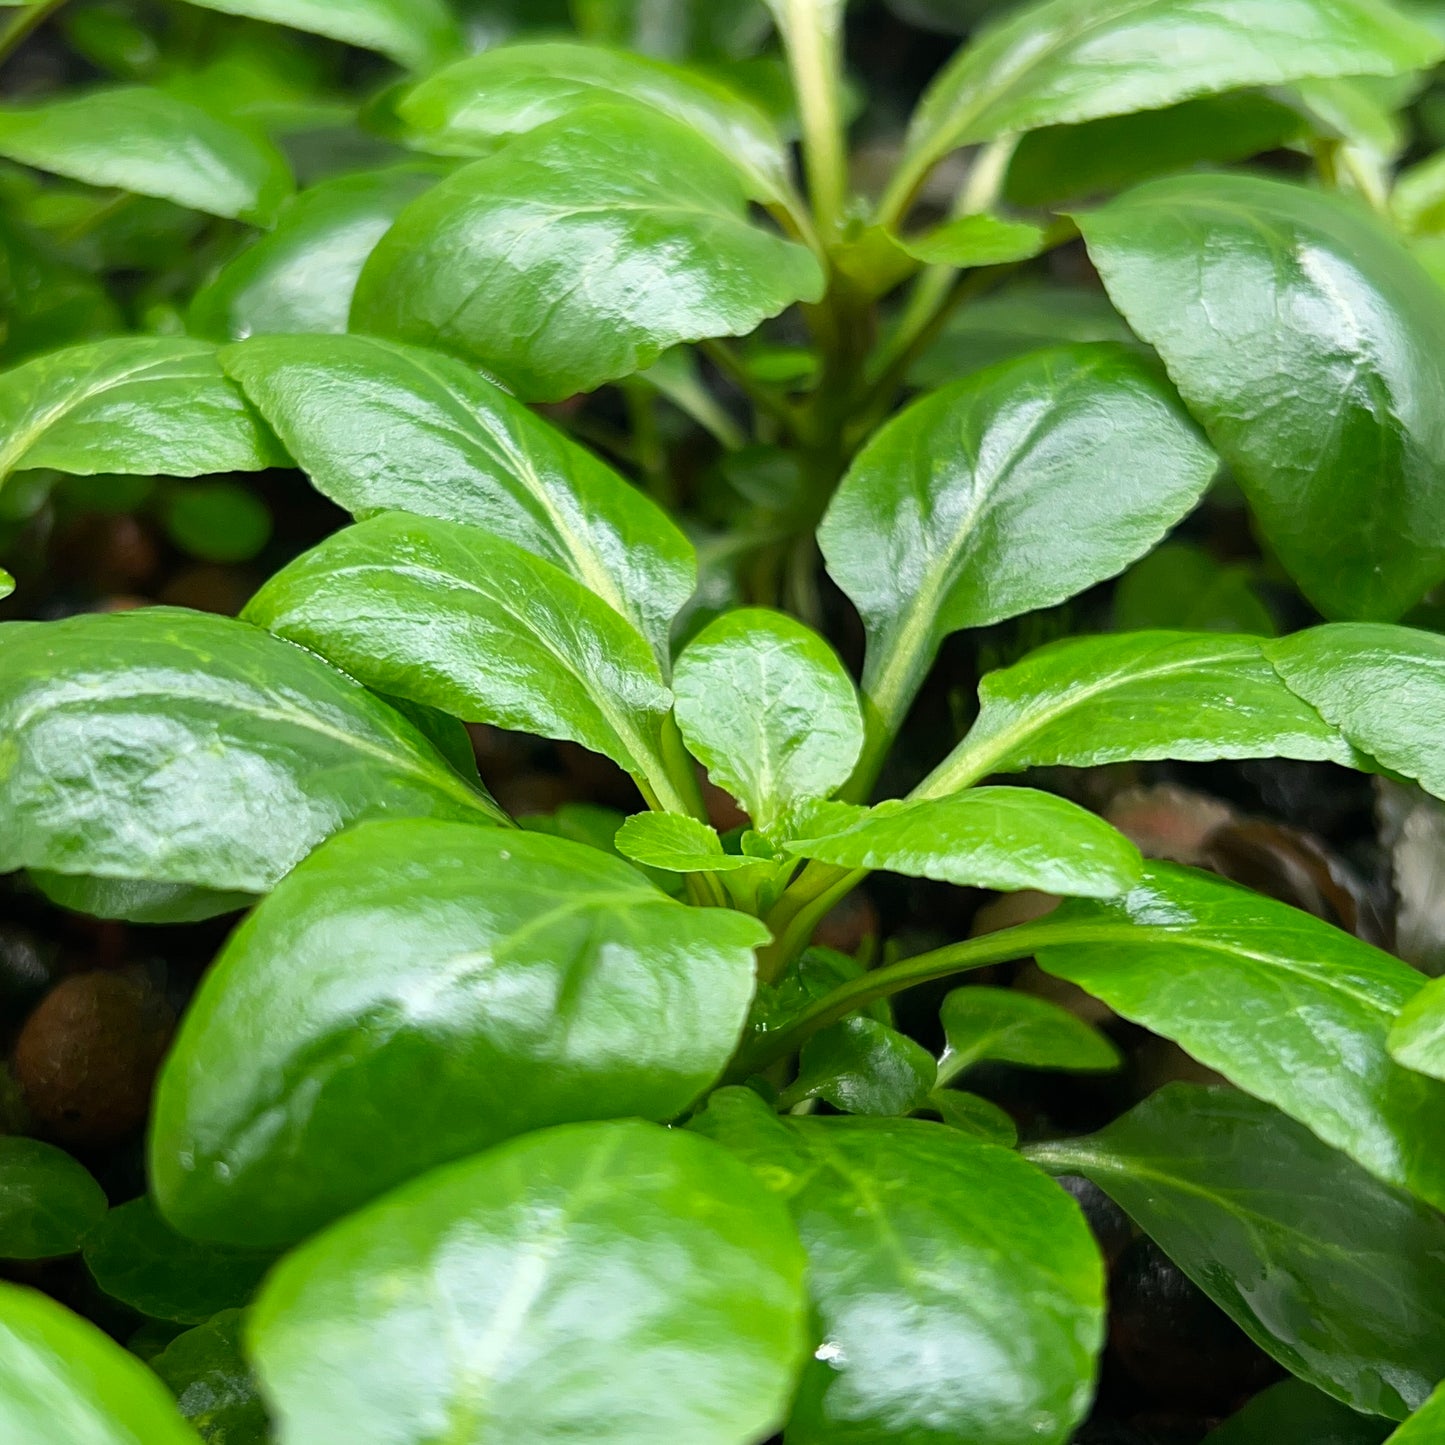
[927, 1248]
[207, 1371]
[678, 844]
[580, 252]
[1311, 346]
[136, 404]
[177, 747]
[954, 514]
[491, 981]
[1292, 1410]
[615, 1283]
[861, 1066]
[57, 1371]
[974, 1115]
[1004, 838]
[979, 240]
[764, 704]
[153, 143]
[385, 427]
[1417, 1038]
[1017, 1028]
[1233, 1192]
[48, 1201]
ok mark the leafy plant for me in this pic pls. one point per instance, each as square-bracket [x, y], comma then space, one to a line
[561, 1132]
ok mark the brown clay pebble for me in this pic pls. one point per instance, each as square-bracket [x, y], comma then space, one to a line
[88, 1054]
[107, 553]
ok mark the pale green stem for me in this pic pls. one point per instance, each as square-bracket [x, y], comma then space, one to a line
[813, 37]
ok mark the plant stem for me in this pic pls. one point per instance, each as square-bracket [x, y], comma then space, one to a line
[813, 36]
[23, 23]
[764, 398]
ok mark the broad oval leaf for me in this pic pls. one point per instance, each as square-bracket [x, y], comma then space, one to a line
[137, 1258]
[1138, 696]
[1292, 1410]
[1310, 345]
[1383, 687]
[1237, 1194]
[48, 1201]
[1012, 1027]
[581, 252]
[139, 139]
[178, 747]
[474, 106]
[767, 708]
[207, 1371]
[379, 426]
[862, 1066]
[951, 516]
[418, 991]
[1004, 838]
[300, 275]
[615, 1283]
[1286, 1007]
[1065, 61]
[452, 617]
[415, 33]
[145, 405]
[63, 1382]
[959, 1292]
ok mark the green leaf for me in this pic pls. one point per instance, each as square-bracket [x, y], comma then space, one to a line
[154, 144]
[1183, 588]
[61, 1380]
[1292, 1410]
[1139, 696]
[476, 105]
[979, 240]
[178, 747]
[974, 1115]
[301, 274]
[861, 1066]
[46, 301]
[1236, 1194]
[1311, 346]
[414, 33]
[1004, 838]
[1065, 61]
[767, 708]
[217, 521]
[959, 1292]
[952, 516]
[7, 584]
[137, 1258]
[1426, 1426]
[1283, 1005]
[1382, 686]
[449, 616]
[1011, 1027]
[136, 900]
[678, 845]
[212, 1382]
[48, 1201]
[615, 1283]
[132, 405]
[1417, 1038]
[581, 252]
[382, 427]
[490, 982]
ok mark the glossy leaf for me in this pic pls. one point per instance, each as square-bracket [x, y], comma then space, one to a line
[153, 143]
[137, 1258]
[206, 1370]
[1382, 686]
[491, 982]
[579, 253]
[767, 708]
[300, 275]
[1311, 346]
[452, 617]
[48, 1201]
[1237, 1194]
[474, 106]
[1066, 61]
[415, 33]
[979, 240]
[1139, 696]
[136, 900]
[381, 427]
[677, 844]
[134, 404]
[1004, 838]
[1417, 1039]
[63, 1382]
[1184, 588]
[1012, 1027]
[861, 1066]
[616, 1283]
[950, 517]
[177, 747]
[959, 1293]
[1292, 1410]
[974, 1115]
[1283, 1005]
[1426, 1426]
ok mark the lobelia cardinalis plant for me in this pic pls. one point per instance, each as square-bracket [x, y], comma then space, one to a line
[563, 1131]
